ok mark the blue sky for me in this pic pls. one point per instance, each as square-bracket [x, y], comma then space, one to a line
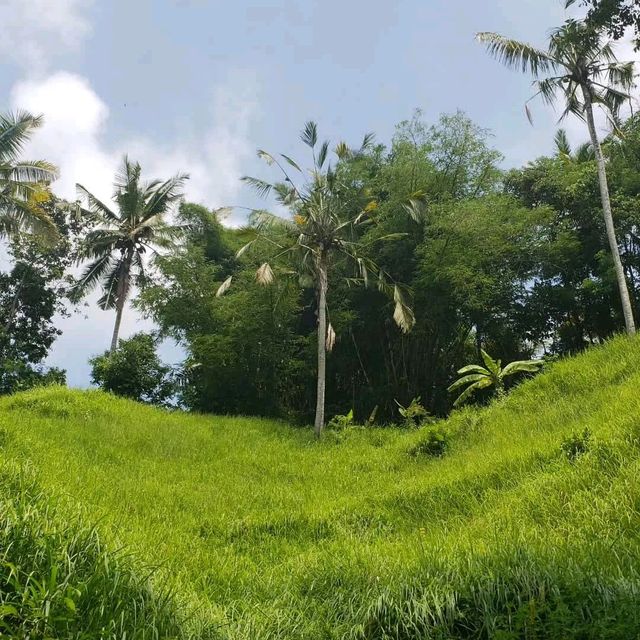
[198, 85]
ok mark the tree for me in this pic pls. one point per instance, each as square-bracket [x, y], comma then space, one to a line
[579, 64]
[325, 228]
[117, 248]
[32, 292]
[614, 15]
[476, 377]
[23, 183]
[134, 371]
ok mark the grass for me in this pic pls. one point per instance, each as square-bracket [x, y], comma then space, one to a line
[260, 532]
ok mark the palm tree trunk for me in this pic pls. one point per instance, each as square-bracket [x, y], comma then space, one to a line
[608, 217]
[121, 298]
[322, 340]
[116, 327]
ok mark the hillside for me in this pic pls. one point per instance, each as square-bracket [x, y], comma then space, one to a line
[262, 532]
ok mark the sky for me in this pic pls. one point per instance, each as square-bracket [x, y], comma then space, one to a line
[197, 86]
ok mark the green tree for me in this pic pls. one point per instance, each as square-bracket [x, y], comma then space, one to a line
[32, 292]
[134, 371]
[117, 248]
[580, 65]
[325, 229]
[476, 377]
[23, 183]
[614, 15]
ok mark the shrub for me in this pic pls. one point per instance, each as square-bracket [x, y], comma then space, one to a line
[134, 371]
[341, 422]
[433, 445]
[576, 445]
[413, 414]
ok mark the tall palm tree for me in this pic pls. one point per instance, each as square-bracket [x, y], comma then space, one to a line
[476, 377]
[325, 228]
[23, 183]
[580, 65]
[117, 247]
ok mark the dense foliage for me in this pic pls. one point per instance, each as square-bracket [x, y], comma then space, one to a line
[515, 263]
[134, 371]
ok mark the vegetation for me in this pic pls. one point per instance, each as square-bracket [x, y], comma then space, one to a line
[389, 267]
[251, 527]
[476, 377]
[327, 217]
[117, 248]
[579, 64]
[23, 183]
[134, 371]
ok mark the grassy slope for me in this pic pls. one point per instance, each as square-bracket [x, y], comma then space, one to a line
[267, 534]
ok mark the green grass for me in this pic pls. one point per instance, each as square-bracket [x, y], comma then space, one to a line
[261, 532]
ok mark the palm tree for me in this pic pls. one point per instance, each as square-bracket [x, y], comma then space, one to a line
[117, 247]
[23, 184]
[580, 65]
[582, 153]
[325, 229]
[476, 377]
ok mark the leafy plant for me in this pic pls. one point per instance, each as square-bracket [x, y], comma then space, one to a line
[576, 445]
[434, 444]
[134, 371]
[341, 422]
[413, 414]
[325, 227]
[476, 377]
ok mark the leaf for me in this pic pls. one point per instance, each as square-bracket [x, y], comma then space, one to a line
[291, 162]
[402, 314]
[264, 274]
[322, 155]
[244, 249]
[7, 610]
[224, 287]
[266, 156]
[309, 134]
[331, 338]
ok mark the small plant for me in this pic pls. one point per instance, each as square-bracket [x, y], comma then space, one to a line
[341, 422]
[433, 445]
[576, 445]
[413, 414]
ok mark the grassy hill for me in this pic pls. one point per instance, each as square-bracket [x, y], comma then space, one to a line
[258, 531]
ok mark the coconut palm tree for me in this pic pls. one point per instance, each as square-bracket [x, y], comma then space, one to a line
[325, 229]
[579, 65]
[476, 377]
[582, 153]
[23, 183]
[116, 249]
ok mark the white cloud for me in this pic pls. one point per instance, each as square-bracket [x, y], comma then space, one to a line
[31, 30]
[76, 125]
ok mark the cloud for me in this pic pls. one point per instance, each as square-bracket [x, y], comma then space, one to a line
[76, 127]
[31, 30]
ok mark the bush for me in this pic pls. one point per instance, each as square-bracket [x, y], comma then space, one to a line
[341, 422]
[413, 414]
[576, 445]
[134, 371]
[433, 445]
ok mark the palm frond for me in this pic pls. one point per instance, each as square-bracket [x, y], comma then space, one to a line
[309, 134]
[517, 55]
[261, 187]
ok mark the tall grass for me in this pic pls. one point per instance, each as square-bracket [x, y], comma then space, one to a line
[263, 533]
[57, 580]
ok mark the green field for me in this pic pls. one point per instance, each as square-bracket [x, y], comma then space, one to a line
[255, 530]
